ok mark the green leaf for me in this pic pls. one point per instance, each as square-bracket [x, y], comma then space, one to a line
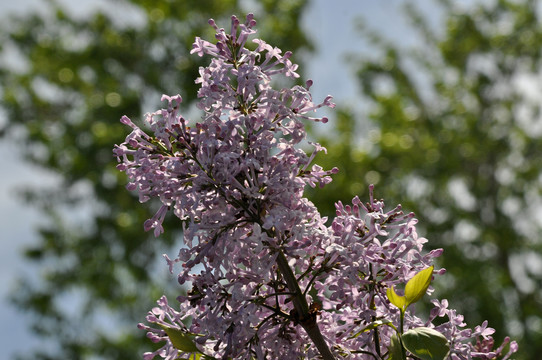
[395, 350]
[426, 343]
[181, 340]
[417, 286]
[205, 357]
[202, 356]
[372, 326]
[397, 300]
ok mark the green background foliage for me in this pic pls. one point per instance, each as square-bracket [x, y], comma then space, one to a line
[453, 137]
[451, 134]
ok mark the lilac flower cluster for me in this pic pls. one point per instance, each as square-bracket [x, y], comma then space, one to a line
[268, 279]
[377, 250]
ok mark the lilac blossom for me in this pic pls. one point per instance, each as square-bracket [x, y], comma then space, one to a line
[268, 279]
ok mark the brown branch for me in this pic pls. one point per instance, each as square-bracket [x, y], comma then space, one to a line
[307, 319]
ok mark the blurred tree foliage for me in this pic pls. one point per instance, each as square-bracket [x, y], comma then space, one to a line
[74, 78]
[456, 137]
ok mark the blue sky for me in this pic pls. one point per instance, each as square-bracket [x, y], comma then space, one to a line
[331, 25]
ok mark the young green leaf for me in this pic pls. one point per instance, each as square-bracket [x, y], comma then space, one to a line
[417, 286]
[371, 326]
[181, 340]
[426, 343]
[397, 300]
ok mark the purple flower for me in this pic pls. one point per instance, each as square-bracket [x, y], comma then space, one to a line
[267, 278]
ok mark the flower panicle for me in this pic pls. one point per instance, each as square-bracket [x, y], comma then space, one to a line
[261, 264]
